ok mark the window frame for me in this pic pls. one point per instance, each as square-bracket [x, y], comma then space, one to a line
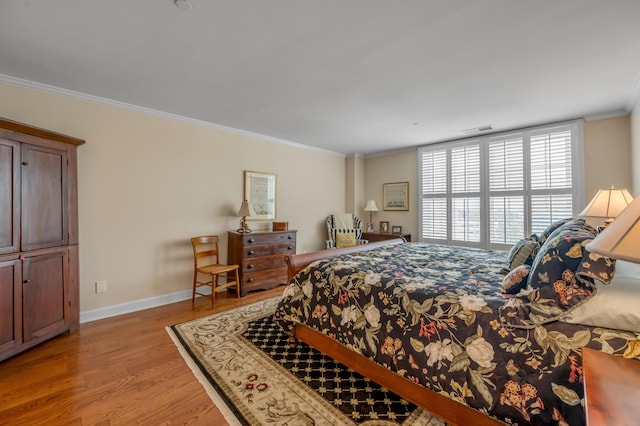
[576, 191]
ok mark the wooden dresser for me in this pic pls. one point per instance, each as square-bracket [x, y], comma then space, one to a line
[261, 258]
[39, 269]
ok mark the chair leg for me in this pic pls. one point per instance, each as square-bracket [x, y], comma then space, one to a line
[214, 285]
[237, 285]
[193, 294]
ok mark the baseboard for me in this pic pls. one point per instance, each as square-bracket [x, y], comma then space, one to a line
[136, 305]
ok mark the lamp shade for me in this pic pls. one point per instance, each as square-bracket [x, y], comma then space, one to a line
[621, 239]
[371, 206]
[608, 203]
[244, 209]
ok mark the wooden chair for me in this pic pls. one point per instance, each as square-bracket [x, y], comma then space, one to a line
[206, 262]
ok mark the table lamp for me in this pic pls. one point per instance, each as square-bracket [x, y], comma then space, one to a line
[621, 239]
[607, 204]
[244, 212]
[371, 207]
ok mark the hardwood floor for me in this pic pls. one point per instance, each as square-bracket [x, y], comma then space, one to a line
[118, 371]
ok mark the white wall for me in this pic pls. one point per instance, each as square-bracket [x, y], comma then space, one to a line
[148, 183]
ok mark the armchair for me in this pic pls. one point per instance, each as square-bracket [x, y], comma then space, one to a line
[344, 230]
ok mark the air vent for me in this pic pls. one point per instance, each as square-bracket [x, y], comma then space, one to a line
[478, 129]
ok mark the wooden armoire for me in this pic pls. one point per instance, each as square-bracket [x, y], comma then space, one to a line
[38, 236]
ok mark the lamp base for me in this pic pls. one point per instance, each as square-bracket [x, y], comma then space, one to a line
[244, 229]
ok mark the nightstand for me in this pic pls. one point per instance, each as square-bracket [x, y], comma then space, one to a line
[611, 388]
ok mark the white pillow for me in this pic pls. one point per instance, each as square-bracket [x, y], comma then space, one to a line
[616, 305]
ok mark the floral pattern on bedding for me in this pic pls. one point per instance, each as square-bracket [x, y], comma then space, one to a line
[430, 313]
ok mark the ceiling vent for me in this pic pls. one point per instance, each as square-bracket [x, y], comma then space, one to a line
[476, 130]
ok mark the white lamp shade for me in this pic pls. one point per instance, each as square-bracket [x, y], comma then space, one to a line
[371, 206]
[621, 239]
[244, 209]
[608, 203]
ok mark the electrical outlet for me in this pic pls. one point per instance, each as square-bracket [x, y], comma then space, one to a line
[101, 286]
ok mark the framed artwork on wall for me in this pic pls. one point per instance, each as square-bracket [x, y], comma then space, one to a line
[260, 192]
[395, 196]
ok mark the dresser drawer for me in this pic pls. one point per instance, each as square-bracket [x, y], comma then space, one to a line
[262, 263]
[268, 250]
[263, 279]
[268, 238]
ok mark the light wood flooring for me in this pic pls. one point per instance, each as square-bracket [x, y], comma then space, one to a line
[123, 370]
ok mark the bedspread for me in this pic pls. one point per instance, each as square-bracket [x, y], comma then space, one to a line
[431, 314]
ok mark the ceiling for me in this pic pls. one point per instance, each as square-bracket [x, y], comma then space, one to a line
[348, 76]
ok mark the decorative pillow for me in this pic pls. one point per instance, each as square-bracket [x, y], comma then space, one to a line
[523, 252]
[554, 286]
[549, 229]
[345, 239]
[613, 306]
[516, 280]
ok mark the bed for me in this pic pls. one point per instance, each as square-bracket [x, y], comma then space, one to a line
[474, 336]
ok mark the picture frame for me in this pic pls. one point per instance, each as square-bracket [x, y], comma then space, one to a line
[260, 192]
[395, 229]
[384, 227]
[395, 196]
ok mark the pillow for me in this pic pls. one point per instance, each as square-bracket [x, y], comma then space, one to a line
[516, 280]
[613, 306]
[345, 239]
[549, 229]
[523, 252]
[554, 286]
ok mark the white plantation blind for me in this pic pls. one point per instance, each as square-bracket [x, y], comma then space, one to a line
[492, 191]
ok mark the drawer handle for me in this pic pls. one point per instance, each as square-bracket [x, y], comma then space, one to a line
[26, 281]
[250, 240]
[250, 267]
[251, 252]
[250, 280]
[289, 248]
[290, 237]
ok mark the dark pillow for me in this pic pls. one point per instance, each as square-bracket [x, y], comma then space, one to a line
[549, 229]
[557, 282]
[516, 280]
[523, 252]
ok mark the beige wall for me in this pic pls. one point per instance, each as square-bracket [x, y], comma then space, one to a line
[148, 183]
[607, 159]
[635, 147]
[396, 167]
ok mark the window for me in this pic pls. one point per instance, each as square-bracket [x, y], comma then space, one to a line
[491, 191]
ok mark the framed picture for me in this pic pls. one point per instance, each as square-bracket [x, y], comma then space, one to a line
[384, 227]
[395, 196]
[260, 192]
[395, 229]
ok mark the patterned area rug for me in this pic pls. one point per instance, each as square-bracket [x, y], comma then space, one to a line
[245, 363]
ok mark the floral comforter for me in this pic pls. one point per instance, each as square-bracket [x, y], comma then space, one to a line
[431, 314]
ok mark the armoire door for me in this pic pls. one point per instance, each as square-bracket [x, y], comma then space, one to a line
[9, 196]
[10, 304]
[45, 293]
[44, 197]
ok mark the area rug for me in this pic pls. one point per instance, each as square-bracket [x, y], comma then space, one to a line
[244, 361]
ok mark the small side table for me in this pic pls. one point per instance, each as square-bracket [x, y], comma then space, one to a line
[380, 236]
[611, 388]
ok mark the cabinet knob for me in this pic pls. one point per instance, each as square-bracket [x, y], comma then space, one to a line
[250, 280]
[250, 267]
[26, 281]
[251, 252]
[289, 248]
[290, 237]
[250, 240]
[25, 163]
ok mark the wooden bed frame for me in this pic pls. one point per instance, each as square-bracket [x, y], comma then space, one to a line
[451, 411]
